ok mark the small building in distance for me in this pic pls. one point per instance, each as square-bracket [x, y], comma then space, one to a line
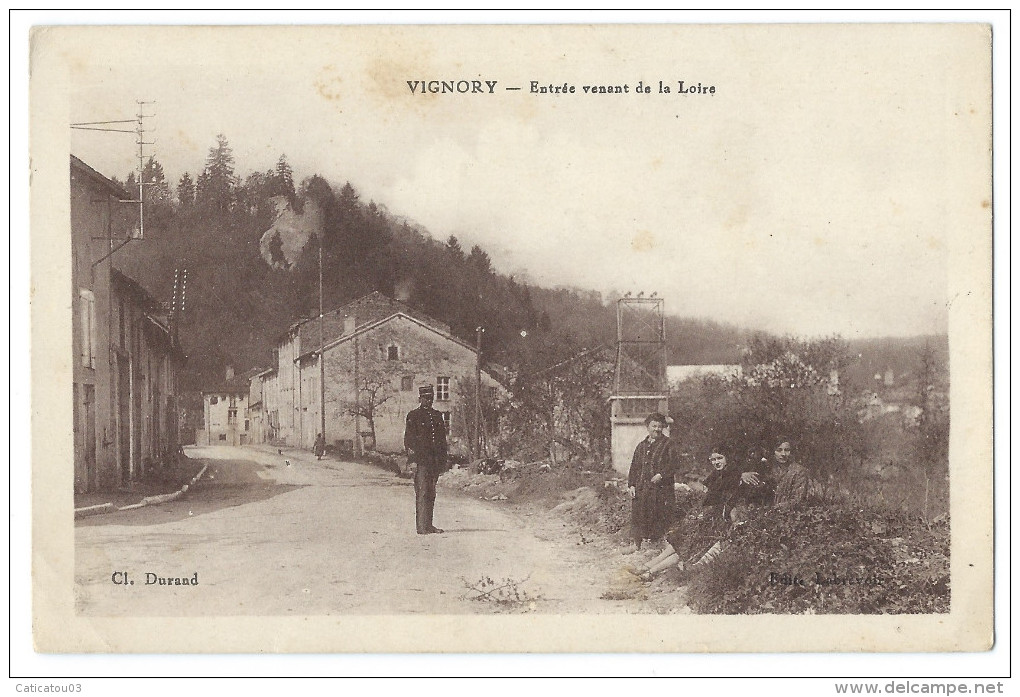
[225, 416]
[675, 374]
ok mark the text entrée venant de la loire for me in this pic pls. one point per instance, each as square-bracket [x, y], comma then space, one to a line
[682, 87]
[537, 87]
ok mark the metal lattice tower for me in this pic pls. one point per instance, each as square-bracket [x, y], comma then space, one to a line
[641, 347]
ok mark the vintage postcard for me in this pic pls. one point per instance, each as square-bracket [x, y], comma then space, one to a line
[635, 338]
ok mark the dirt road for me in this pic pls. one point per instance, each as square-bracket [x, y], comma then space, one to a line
[272, 534]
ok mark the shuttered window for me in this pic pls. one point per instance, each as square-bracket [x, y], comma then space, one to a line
[87, 323]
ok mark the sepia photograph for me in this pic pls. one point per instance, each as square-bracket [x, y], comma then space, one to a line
[482, 338]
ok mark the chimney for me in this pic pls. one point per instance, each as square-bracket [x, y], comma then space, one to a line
[402, 291]
[349, 324]
[230, 373]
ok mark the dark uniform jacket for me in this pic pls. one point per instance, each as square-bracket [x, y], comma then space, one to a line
[425, 436]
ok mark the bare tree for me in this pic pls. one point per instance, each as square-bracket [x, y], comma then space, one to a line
[563, 406]
[375, 388]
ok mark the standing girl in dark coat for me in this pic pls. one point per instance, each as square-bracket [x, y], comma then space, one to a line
[650, 482]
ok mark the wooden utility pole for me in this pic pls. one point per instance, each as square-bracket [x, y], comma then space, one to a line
[322, 355]
[477, 443]
[357, 400]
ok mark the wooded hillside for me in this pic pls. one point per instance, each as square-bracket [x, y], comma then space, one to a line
[250, 245]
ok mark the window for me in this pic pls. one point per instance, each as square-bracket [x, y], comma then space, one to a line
[492, 394]
[87, 314]
[214, 400]
[442, 389]
[247, 424]
[393, 353]
[407, 383]
[232, 415]
[223, 436]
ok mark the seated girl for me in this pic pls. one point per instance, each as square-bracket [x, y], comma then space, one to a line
[697, 537]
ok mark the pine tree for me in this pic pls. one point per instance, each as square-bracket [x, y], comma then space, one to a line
[453, 246]
[480, 259]
[218, 184]
[255, 191]
[186, 191]
[349, 205]
[282, 180]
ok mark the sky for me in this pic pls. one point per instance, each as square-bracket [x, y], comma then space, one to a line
[812, 193]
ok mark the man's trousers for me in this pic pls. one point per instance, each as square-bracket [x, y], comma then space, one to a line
[424, 497]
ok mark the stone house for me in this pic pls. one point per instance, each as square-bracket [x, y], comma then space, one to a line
[225, 415]
[385, 347]
[264, 406]
[126, 356]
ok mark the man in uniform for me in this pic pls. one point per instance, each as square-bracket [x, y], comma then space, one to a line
[425, 442]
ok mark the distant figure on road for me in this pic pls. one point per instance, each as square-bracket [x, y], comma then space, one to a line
[650, 482]
[319, 449]
[425, 442]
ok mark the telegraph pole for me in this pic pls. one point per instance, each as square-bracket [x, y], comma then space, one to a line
[113, 126]
[478, 392]
[357, 399]
[322, 355]
[140, 132]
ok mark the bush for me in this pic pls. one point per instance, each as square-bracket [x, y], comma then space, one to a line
[786, 388]
[828, 559]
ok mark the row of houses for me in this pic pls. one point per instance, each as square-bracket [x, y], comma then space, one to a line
[126, 357]
[375, 352]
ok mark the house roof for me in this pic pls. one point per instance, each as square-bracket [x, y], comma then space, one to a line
[578, 356]
[259, 372]
[111, 186]
[155, 326]
[134, 289]
[365, 328]
[160, 334]
[679, 373]
[366, 310]
[236, 385]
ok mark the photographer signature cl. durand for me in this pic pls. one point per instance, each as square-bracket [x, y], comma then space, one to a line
[122, 578]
